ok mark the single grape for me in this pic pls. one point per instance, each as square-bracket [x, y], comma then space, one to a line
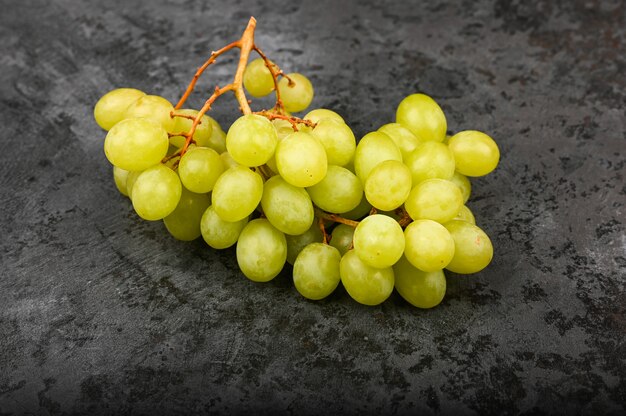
[257, 78]
[340, 191]
[251, 140]
[237, 193]
[199, 169]
[301, 159]
[374, 148]
[297, 94]
[316, 271]
[337, 139]
[203, 131]
[295, 243]
[388, 185]
[218, 233]
[184, 222]
[434, 199]
[423, 117]
[261, 250]
[360, 211]
[321, 113]
[402, 137]
[217, 141]
[136, 144]
[287, 207]
[283, 128]
[379, 241]
[156, 193]
[341, 238]
[365, 284]
[228, 161]
[429, 246]
[120, 176]
[475, 153]
[430, 160]
[473, 250]
[421, 289]
[155, 108]
[130, 181]
[465, 214]
[464, 184]
[111, 107]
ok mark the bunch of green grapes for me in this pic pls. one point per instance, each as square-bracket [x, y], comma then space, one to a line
[388, 212]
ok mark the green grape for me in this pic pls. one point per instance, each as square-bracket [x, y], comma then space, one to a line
[218, 233]
[203, 131]
[423, 117]
[464, 184]
[465, 214]
[472, 248]
[421, 289]
[217, 141]
[341, 238]
[430, 160]
[365, 284]
[155, 108]
[251, 140]
[199, 169]
[374, 148]
[120, 176]
[130, 181]
[228, 161]
[337, 139]
[295, 243]
[237, 193]
[388, 185]
[402, 137]
[379, 241]
[475, 153]
[156, 193]
[429, 246]
[298, 94]
[316, 271]
[301, 159]
[111, 107]
[360, 211]
[258, 79]
[340, 191]
[434, 199]
[283, 128]
[184, 222]
[321, 113]
[287, 207]
[136, 144]
[177, 142]
[261, 250]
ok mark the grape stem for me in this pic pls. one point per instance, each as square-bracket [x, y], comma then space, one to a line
[405, 219]
[334, 217]
[293, 120]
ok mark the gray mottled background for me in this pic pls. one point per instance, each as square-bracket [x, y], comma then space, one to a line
[102, 313]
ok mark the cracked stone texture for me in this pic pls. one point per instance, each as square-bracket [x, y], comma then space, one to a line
[101, 313]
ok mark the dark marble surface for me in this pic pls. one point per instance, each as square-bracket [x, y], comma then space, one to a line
[101, 313]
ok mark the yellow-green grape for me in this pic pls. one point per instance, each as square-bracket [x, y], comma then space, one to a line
[258, 79]
[156, 193]
[321, 113]
[434, 199]
[111, 107]
[199, 169]
[203, 131]
[337, 139]
[340, 191]
[217, 233]
[287, 207]
[295, 243]
[430, 160]
[301, 159]
[475, 153]
[130, 181]
[217, 141]
[184, 222]
[374, 148]
[379, 241]
[316, 271]
[283, 129]
[136, 144]
[360, 211]
[465, 214]
[155, 108]
[429, 246]
[366, 284]
[388, 185]
[237, 193]
[296, 95]
[472, 248]
[421, 289]
[341, 238]
[463, 183]
[228, 161]
[402, 137]
[251, 140]
[176, 142]
[423, 117]
[120, 177]
[261, 250]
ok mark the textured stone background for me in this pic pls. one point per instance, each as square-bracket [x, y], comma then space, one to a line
[102, 313]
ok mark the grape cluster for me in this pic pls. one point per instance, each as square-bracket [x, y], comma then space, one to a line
[386, 212]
